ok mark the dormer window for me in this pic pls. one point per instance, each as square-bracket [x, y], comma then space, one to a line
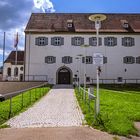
[69, 23]
[125, 24]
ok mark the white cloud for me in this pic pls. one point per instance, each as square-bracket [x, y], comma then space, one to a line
[44, 5]
[6, 53]
[4, 3]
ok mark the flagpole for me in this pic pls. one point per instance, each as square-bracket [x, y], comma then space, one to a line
[3, 53]
[16, 46]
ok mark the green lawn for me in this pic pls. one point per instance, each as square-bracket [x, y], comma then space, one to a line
[28, 99]
[119, 108]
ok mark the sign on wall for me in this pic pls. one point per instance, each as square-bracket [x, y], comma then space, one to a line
[97, 59]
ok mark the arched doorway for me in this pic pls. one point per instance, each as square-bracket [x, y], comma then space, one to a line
[64, 76]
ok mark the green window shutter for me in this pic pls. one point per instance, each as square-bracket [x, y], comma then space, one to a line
[106, 41]
[54, 60]
[104, 60]
[62, 41]
[70, 59]
[52, 40]
[133, 60]
[132, 41]
[46, 41]
[90, 41]
[123, 41]
[37, 41]
[138, 60]
[82, 40]
[83, 59]
[100, 41]
[125, 60]
[73, 41]
[63, 59]
[114, 41]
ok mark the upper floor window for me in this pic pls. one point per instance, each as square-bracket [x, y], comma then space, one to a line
[129, 60]
[50, 59]
[15, 71]
[41, 41]
[67, 59]
[57, 41]
[128, 41]
[93, 41]
[138, 60]
[77, 41]
[9, 71]
[88, 60]
[110, 41]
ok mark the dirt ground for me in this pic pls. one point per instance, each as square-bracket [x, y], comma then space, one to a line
[7, 87]
[65, 133]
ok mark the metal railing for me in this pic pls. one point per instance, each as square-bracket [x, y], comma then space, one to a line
[116, 81]
[86, 95]
[4, 97]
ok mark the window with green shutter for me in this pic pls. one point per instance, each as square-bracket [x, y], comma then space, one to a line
[110, 41]
[89, 59]
[93, 41]
[77, 41]
[66, 59]
[57, 41]
[128, 41]
[50, 59]
[129, 59]
[41, 41]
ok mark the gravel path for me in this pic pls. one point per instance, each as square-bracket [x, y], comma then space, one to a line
[58, 108]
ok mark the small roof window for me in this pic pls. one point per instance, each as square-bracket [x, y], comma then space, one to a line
[125, 24]
[70, 23]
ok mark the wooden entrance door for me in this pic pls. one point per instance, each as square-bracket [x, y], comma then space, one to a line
[64, 76]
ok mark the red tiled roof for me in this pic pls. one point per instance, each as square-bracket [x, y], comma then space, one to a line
[12, 56]
[57, 22]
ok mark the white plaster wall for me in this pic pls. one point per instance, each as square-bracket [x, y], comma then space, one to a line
[12, 77]
[35, 62]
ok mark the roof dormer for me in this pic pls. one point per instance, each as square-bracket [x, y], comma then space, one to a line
[125, 24]
[70, 23]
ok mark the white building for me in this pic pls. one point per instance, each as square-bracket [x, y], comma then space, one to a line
[11, 71]
[53, 42]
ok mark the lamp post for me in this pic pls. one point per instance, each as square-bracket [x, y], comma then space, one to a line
[77, 58]
[97, 18]
[85, 46]
[80, 57]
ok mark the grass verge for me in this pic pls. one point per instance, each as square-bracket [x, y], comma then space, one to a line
[119, 109]
[29, 98]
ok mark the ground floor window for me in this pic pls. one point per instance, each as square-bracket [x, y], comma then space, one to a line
[9, 71]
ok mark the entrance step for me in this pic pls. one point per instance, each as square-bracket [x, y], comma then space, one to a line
[63, 86]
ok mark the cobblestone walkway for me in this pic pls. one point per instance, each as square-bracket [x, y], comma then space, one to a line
[57, 109]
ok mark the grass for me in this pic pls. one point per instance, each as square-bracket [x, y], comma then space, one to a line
[29, 98]
[119, 109]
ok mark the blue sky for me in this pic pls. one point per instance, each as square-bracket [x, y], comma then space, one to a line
[15, 14]
[103, 6]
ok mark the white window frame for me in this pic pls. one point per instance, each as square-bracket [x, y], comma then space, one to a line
[57, 41]
[78, 41]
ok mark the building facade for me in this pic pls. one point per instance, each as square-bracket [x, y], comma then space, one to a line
[54, 49]
[11, 70]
